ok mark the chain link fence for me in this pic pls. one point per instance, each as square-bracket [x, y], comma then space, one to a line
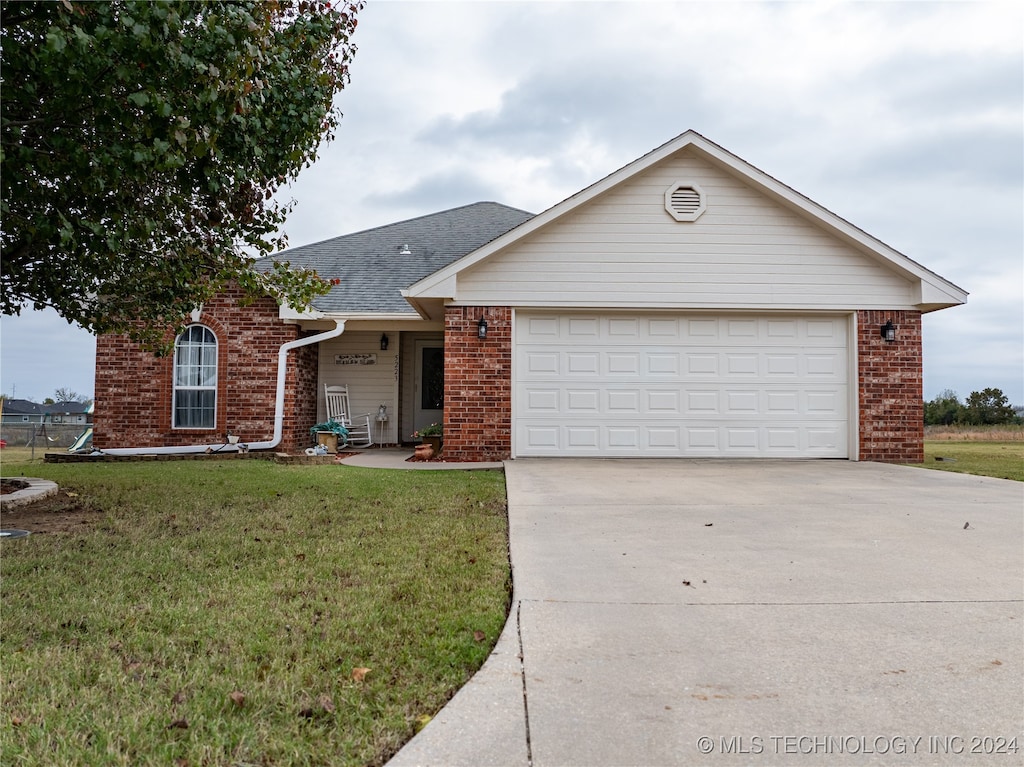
[56, 435]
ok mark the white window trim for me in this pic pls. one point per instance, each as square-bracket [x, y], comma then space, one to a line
[174, 381]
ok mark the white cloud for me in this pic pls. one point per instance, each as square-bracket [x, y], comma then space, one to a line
[904, 118]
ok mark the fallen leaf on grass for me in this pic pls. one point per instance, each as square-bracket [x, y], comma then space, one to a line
[422, 721]
[17, 721]
[479, 636]
[237, 697]
[359, 673]
[178, 724]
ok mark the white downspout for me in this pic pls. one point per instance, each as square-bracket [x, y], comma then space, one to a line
[218, 447]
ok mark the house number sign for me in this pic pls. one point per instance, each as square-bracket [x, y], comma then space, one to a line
[355, 359]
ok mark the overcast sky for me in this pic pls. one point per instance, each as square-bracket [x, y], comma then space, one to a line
[906, 119]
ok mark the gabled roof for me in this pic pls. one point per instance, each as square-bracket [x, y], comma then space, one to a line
[67, 408]
[27, 407]
[22, 407]
[373, 268]
[934, 291]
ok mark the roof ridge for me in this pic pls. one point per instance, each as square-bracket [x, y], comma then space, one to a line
[395, 224]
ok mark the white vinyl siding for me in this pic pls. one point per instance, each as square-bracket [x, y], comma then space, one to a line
[195, 379]
[623, 249]
[691, 385]
[370, 386]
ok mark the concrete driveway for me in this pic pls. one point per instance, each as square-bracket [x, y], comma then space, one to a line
[757, 612]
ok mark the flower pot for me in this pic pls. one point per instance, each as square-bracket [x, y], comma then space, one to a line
[434, 442]
[328, 439]
[424, 451]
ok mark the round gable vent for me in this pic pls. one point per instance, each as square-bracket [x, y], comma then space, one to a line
[684, 201]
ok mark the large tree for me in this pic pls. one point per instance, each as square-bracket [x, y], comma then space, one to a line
[944, 410]
[143, 144]
[988, 406]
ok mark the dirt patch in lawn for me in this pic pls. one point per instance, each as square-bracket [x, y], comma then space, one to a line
[58, 513]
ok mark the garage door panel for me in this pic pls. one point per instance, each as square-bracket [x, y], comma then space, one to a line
[584, 327]
[743, 402]
[741, 364]
[737, 386]
[542, 327]
[586, 364]
[701, 364]
[600, 439]
[701, 403]
[583, 401]
[624, 401]
[622, 363]
[542, 401]
[624, 328]
[540, 363]
[664, 403]
[582, 437]
[661, 364]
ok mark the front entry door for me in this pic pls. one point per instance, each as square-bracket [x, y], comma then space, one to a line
[429, 383]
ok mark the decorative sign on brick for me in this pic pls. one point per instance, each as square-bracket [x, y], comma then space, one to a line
[355, 359]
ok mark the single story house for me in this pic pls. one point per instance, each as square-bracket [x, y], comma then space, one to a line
[687, 305]
[21, 411]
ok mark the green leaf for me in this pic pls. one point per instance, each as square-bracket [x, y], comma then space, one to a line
[103, 174]
[55, 42]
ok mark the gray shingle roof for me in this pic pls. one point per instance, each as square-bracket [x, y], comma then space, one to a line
[372, 268]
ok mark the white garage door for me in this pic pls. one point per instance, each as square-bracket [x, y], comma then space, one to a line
[680, 385]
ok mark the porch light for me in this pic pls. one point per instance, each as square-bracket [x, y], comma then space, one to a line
[481, 329]
[383, 342]
[889, 331]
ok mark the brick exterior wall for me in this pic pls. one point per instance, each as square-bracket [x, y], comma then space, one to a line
[134, 387]
[890, 388]
[477, 384]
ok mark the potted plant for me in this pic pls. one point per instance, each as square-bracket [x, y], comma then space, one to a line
[330, 434]
[432, 435]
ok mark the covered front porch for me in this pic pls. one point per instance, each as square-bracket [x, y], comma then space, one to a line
[394, 374]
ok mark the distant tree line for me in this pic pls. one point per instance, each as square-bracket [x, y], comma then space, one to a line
[988, 406]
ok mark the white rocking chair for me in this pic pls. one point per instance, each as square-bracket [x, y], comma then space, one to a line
[360, 431]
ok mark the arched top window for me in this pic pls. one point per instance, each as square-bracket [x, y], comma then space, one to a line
[195, 379]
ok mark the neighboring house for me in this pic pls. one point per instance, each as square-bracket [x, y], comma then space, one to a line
[73, 413]
[686, 305]
[22, 411]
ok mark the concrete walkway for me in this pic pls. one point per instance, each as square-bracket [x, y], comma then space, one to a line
[759, 612]
[398, 458]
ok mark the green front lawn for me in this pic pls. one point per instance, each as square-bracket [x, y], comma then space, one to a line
[991, 459]
[226, 612]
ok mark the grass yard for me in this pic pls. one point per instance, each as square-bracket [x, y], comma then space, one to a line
[988, 458]
[245, 612]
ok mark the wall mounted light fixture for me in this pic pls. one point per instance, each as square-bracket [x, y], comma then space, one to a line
[888, 331]
[383, 342]
[481, 329]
